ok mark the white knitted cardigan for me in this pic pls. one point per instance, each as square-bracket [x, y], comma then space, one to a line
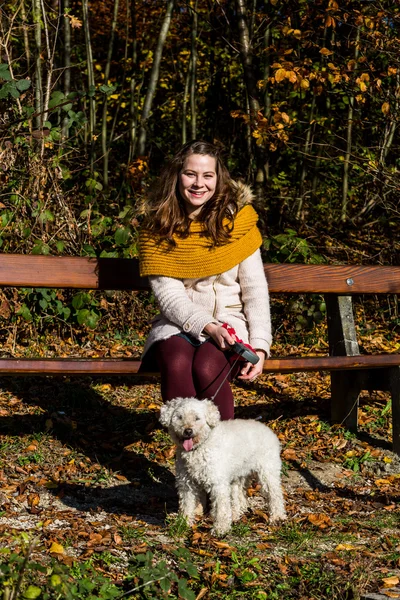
[238, 297]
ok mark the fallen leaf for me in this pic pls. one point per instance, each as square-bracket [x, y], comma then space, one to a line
[202, 593]
[390, 581]
[223, 545]
[346, 547]
[56, 548]
[320, 520]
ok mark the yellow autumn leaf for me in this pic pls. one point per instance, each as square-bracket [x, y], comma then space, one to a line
[368, 22]
[362, 86]
[280, 75]
[57, 548]
[382, 482]
[325, 52]
[385, 108]
[291, 75]
[345, 547]
[350, 453]
[330, 21]
[390, 581]
[304, 84]
[387, 460]
[105, 387]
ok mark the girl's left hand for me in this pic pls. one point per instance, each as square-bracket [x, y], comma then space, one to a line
[249, 372]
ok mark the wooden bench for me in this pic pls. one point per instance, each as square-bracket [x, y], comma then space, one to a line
[350, 371]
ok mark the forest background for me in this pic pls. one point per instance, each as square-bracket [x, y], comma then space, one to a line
[95, 96]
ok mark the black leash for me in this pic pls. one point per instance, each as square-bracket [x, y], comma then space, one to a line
[226, 376]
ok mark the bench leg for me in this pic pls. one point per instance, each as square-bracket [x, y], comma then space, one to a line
[394, 387]
[345, 390]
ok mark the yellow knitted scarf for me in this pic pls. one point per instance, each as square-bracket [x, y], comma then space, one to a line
[192, 257]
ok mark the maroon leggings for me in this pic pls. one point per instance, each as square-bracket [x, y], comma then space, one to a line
[198, 371]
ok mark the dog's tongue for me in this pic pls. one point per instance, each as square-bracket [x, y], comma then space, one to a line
[188, 445]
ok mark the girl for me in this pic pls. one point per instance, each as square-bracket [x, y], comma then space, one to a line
[200, 248]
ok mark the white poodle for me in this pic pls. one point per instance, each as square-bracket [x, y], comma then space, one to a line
[216, 458]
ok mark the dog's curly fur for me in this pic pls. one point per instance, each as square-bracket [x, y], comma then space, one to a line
[216, 458]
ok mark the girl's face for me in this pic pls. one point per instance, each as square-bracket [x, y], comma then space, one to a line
[197, 182]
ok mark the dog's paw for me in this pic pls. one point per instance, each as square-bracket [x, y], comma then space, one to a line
[189, 518]
[276, 517]
[220, 530]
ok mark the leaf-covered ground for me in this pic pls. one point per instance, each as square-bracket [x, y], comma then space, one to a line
[86, 472]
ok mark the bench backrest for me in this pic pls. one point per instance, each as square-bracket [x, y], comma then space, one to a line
[17, 270]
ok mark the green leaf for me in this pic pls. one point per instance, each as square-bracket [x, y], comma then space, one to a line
[80, 300]
[5, 72]
[89, 250]
[25, 313]
[82, 315]
[23, 84]
[56, 99]
[122, 235]
[46, 216]
[107, 89]
[40, 248]
[32, 592]
[184, 591]
[88, 318]
[55, 134]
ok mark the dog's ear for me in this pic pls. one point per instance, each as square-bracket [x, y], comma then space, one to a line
[167, 410]
[213, 416]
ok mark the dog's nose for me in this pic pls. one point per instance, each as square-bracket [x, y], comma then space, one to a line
[188, 432]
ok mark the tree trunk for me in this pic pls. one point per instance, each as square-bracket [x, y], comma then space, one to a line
[36, 10]
[391, 127]
[184, 103]
[67, 63]
[247, 58]
[133, 104]
[349, 140]
[26, 36]
[252, 92]
[50, 58]
[107, 70]
[154, 75]
[91, 82]
[193, 79]
[306, 151]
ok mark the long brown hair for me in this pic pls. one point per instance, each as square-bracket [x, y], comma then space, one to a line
[166, 214]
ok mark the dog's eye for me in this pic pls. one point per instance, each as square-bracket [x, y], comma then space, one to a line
[180, 417]
[197, 419]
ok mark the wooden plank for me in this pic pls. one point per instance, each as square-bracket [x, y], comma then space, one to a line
[336, 279]
[65, 366]
[18, 270]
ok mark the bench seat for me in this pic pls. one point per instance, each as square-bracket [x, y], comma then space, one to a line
[128, 366]
[350, 372]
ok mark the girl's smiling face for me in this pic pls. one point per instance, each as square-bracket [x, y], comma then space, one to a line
[197, 182]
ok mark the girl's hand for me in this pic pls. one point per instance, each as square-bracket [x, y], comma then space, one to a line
[220, 335]
[249, 372]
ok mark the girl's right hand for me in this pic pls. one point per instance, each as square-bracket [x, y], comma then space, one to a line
[219, 334]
